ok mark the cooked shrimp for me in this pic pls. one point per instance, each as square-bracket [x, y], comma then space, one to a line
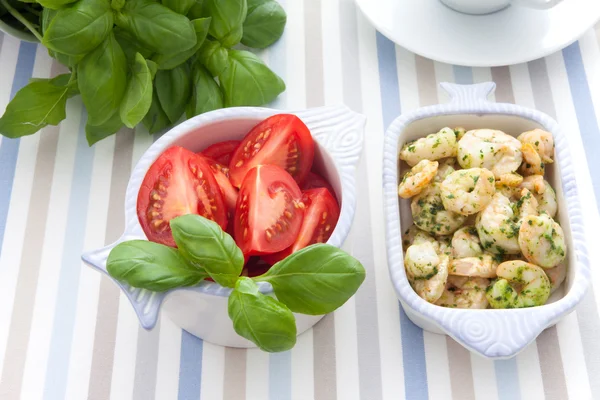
[527, 205]
[512, 179]
[534, 183]
[532, 280]
[417, 179]
[429, 214]
[431, 289]
[445, 168]
[421, 260]
[491, 149]
[459, 131]
[463, 292]
[465, 243]
[556, 276]
[468, 191]
[542, 241]
[414, 235]
[483, 266]
[542, 141]
[498, 226]
[432, 147]
[547, 200]
[532, 161]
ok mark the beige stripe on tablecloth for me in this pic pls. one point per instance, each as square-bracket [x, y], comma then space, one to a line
[234, 384]
[108, 304]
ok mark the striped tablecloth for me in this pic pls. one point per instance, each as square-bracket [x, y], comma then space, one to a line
[67, 333]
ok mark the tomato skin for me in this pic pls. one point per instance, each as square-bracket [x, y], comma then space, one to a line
[221, 152]
[179, 182]
[269, 211]
[315, 181]
[282, 140]
[315, 229]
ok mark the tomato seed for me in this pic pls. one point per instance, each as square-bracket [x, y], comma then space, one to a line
[257, 145]
[287, 214]
[239, 163]
[327, 228]
[268, 235]
[245, 233]
[324, 216]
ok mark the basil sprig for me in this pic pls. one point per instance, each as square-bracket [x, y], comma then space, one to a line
[115, 47]
[315, 280]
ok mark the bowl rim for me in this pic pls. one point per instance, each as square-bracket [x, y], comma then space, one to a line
[337, 130]
[472, 99]
[14, 32]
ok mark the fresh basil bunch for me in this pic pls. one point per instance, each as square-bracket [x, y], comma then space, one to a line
[315, 280]
[144, 61]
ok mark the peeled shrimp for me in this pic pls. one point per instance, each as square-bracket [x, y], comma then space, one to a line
[468, 191]
[532, 161]
[542, 141]
[547, 201]
[417, 178]
[534, 183]
[465, 243]
[532, 280]
[542, 241]
[414, 235]
[459, 131]
[483, 266]
[432, 147]
[556, 275]
[491, 149]
[421, 260]
[445, 168]
[461, 292]
[431, 289]
[498, 224]
[429, 214]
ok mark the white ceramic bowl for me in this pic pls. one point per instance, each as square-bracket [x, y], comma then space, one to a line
[26, 36]
[491, 333]
[202, 309]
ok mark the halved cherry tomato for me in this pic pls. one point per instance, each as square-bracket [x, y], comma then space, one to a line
[221, 152]
[221, 174]
[269, 213]
[281, 140]
[179, 182]
[314, 181]
[321, 215]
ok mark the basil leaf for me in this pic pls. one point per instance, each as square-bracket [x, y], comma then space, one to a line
[203, 242]
[156, 120]
[54, 4]
[171, 61]
[130, 45]
[206, 94]
[195, 11]
[152, 67]
[42, 102]
[148, 265]
[227, 19]
[138, 96]
[315, 280]
[214, 57]
[247, 81]
[174, 90]
[95, 133]
[102, 78]
[156, 26]
[260, 318]
[264, 24]
[77, 29]
[179, 6]
[66, 60]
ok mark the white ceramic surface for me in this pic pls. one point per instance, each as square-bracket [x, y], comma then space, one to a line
[202, 310]
[478, 7]
[491, 333]
[514, 35]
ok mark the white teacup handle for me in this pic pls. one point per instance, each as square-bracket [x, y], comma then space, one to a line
[540, 4]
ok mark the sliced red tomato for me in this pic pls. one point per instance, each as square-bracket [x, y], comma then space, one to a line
[255, 266]
[321, 215]
[269, 213]
[281, 140]
[314, 181]
[221, 152]
[179, 182]
[221, 174]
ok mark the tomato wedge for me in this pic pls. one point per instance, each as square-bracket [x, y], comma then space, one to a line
[221, 174]
[179, 182]
[321, 215]
[269, 213]
[314, 181]
[281, 140]
[221, 152]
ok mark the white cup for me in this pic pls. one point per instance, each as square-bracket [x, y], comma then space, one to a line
[490, 6]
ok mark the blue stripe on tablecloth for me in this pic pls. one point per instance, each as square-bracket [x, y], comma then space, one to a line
[9, 149]
[413, 347]
[280, 376]
[584, 109]
[463, 75]
[68, 283]
[190, 367]
[507, 379]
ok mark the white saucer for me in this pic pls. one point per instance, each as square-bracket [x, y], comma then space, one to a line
[510, 36]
